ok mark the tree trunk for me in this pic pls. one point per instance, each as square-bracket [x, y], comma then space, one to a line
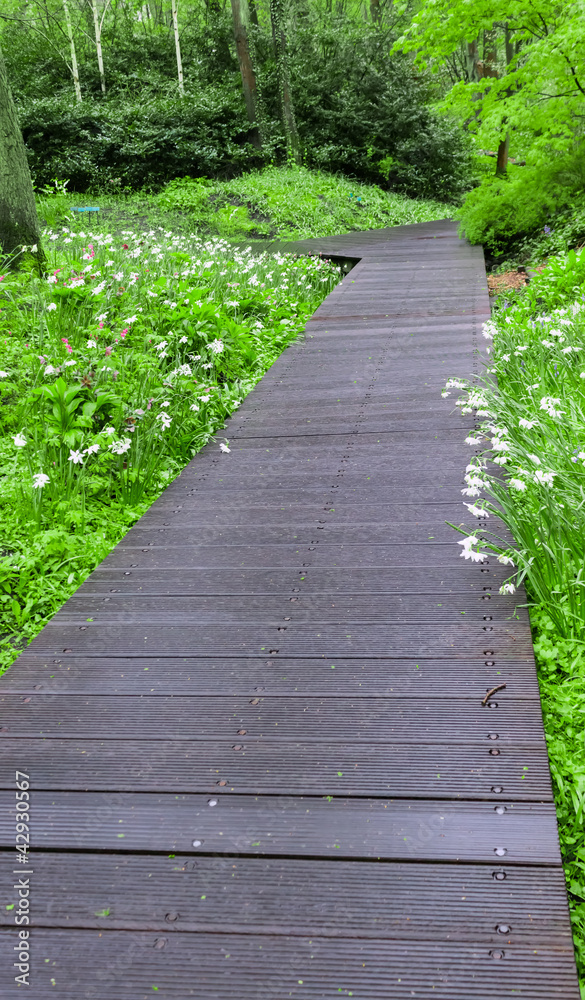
[288, 116]
[375, 11]
[178, 47]
[74, 70]
[472, 62]
[19, 225]
[98, 43]
[504, 146]
[241, 16]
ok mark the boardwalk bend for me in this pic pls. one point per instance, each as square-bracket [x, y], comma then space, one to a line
[260, 764]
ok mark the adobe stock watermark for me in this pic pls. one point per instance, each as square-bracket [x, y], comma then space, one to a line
[22, 885]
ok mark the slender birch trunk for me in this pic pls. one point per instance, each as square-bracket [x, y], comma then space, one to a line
[241, 16]
[98, 43]
[178, 47]
[74, 70]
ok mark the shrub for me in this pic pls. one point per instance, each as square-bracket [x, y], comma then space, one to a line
[135, 145]
[502, 212]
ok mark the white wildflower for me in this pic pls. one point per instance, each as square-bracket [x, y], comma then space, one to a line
[161, 346]
[183, 340]
[51, 307]
[52, 279]
[528, 424]
[40, 480]
[535, 459]
[121, 447]
[3, 374]
[455, 383]
[101, 318]
[92, 449]
[76, 457]
[476, 511]
[109, 430]
[223, 447]
[507, 588]
[20, 441]
[545, 478]
[489, 329]
[444, 394]
[205, 399]
[505, 560]
[518, 484]
[166, 403]
[194, 407]
[471, 440]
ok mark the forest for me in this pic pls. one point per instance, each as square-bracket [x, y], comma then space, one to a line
[477, 105]
[164, 147]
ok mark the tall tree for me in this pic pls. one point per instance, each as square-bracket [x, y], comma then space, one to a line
[70, 36]
[244, 48]
[537, 88]
[97, 24]
[178, 46]
[278, 18]
[19, 224]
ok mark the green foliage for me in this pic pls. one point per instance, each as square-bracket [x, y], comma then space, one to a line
[114, 372]
[293, 203]
[135, 144]
[501, 210]
[561, 672]
[532, 401]
[536, 89]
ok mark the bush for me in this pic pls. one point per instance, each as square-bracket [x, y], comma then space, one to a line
[504, 212]
[128, 144]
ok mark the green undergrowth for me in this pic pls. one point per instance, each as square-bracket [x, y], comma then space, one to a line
[529, 471]
[273, 203]
[115, 370]
[561, 672]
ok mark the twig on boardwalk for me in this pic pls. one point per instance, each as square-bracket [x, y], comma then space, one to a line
[490, 693]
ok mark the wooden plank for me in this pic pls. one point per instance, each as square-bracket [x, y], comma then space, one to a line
[291, 826]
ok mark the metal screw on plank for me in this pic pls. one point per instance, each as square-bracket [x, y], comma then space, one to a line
[159, 943]
[487, 618]
[212, 802]
[488, 628]
[500, 851]
[282, 628]
[171, 917]
[242, 732]
[67, 650]
[494, 753]
[254, 701]
[500, 810]
[269, 663]
[222, 783]
[25, 701]
[258, 689]
[272, 651]
[497, 789]
[82, 628]
[237, 747]
[497, 954]
[493, 736]
[127, 573]
[197, 843]
[499, 876]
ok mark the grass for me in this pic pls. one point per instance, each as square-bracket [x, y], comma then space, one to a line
[531, 476]
[114, 372]
[276, 203]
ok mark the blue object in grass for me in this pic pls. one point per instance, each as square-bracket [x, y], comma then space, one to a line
[85, 209]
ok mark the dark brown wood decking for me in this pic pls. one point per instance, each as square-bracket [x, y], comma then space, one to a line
[259, 761]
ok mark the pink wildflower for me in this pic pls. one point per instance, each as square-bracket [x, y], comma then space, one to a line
[109, 351]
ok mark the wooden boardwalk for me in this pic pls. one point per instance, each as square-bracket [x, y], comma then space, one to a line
[259, 762]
